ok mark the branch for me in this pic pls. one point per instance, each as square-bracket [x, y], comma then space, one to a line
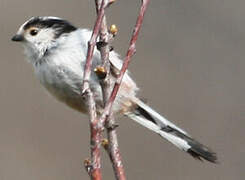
[106, 83]
[96, 126]
[130, 53]
[95, 139]
[106, 116]
[91, 45]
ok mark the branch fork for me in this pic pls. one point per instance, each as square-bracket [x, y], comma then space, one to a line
[97, 124]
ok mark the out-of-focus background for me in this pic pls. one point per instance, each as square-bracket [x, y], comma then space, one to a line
[189, 64]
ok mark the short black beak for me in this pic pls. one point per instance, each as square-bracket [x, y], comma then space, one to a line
[17, 37]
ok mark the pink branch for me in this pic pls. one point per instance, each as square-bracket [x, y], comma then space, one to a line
[114, 151]
[91, 45]
[113, 148]
[95, 140]
[96, 126]
[130, 53]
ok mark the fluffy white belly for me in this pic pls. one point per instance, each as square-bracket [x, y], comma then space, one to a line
[64, 84]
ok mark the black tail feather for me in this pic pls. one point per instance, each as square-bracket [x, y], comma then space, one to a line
[196, 149]
[199, 151]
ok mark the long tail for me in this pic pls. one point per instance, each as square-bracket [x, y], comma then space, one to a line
[149, 118]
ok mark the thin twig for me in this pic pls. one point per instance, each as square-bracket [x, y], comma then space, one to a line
[97, 125]
[107, 111]
[106, 83]
[91, 45]
[116, 158]
[114, 151]
[95, 139]
[130, 53]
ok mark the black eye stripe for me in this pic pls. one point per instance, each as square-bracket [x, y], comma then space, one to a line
[61, 26]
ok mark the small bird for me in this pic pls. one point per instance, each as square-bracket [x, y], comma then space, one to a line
[57, 51]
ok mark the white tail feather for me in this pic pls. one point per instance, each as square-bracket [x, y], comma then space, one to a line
[150, 119]
[159, 118]
[180, 143]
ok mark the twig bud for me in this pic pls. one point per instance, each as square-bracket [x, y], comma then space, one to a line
[110, 2]
[105, 143]
[111, 127]
[100, 72]
[113, 29]
[88, 165]
[111, 48]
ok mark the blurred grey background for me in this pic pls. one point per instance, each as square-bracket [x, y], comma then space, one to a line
[189, 64]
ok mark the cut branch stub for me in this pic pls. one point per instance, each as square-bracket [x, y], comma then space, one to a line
[87, 165]
[101, 44]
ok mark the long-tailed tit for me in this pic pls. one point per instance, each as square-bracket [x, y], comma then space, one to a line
[57, 50]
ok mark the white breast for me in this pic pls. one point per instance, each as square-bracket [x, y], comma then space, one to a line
[61, 73]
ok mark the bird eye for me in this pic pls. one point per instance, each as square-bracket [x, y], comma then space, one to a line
[34, 32]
